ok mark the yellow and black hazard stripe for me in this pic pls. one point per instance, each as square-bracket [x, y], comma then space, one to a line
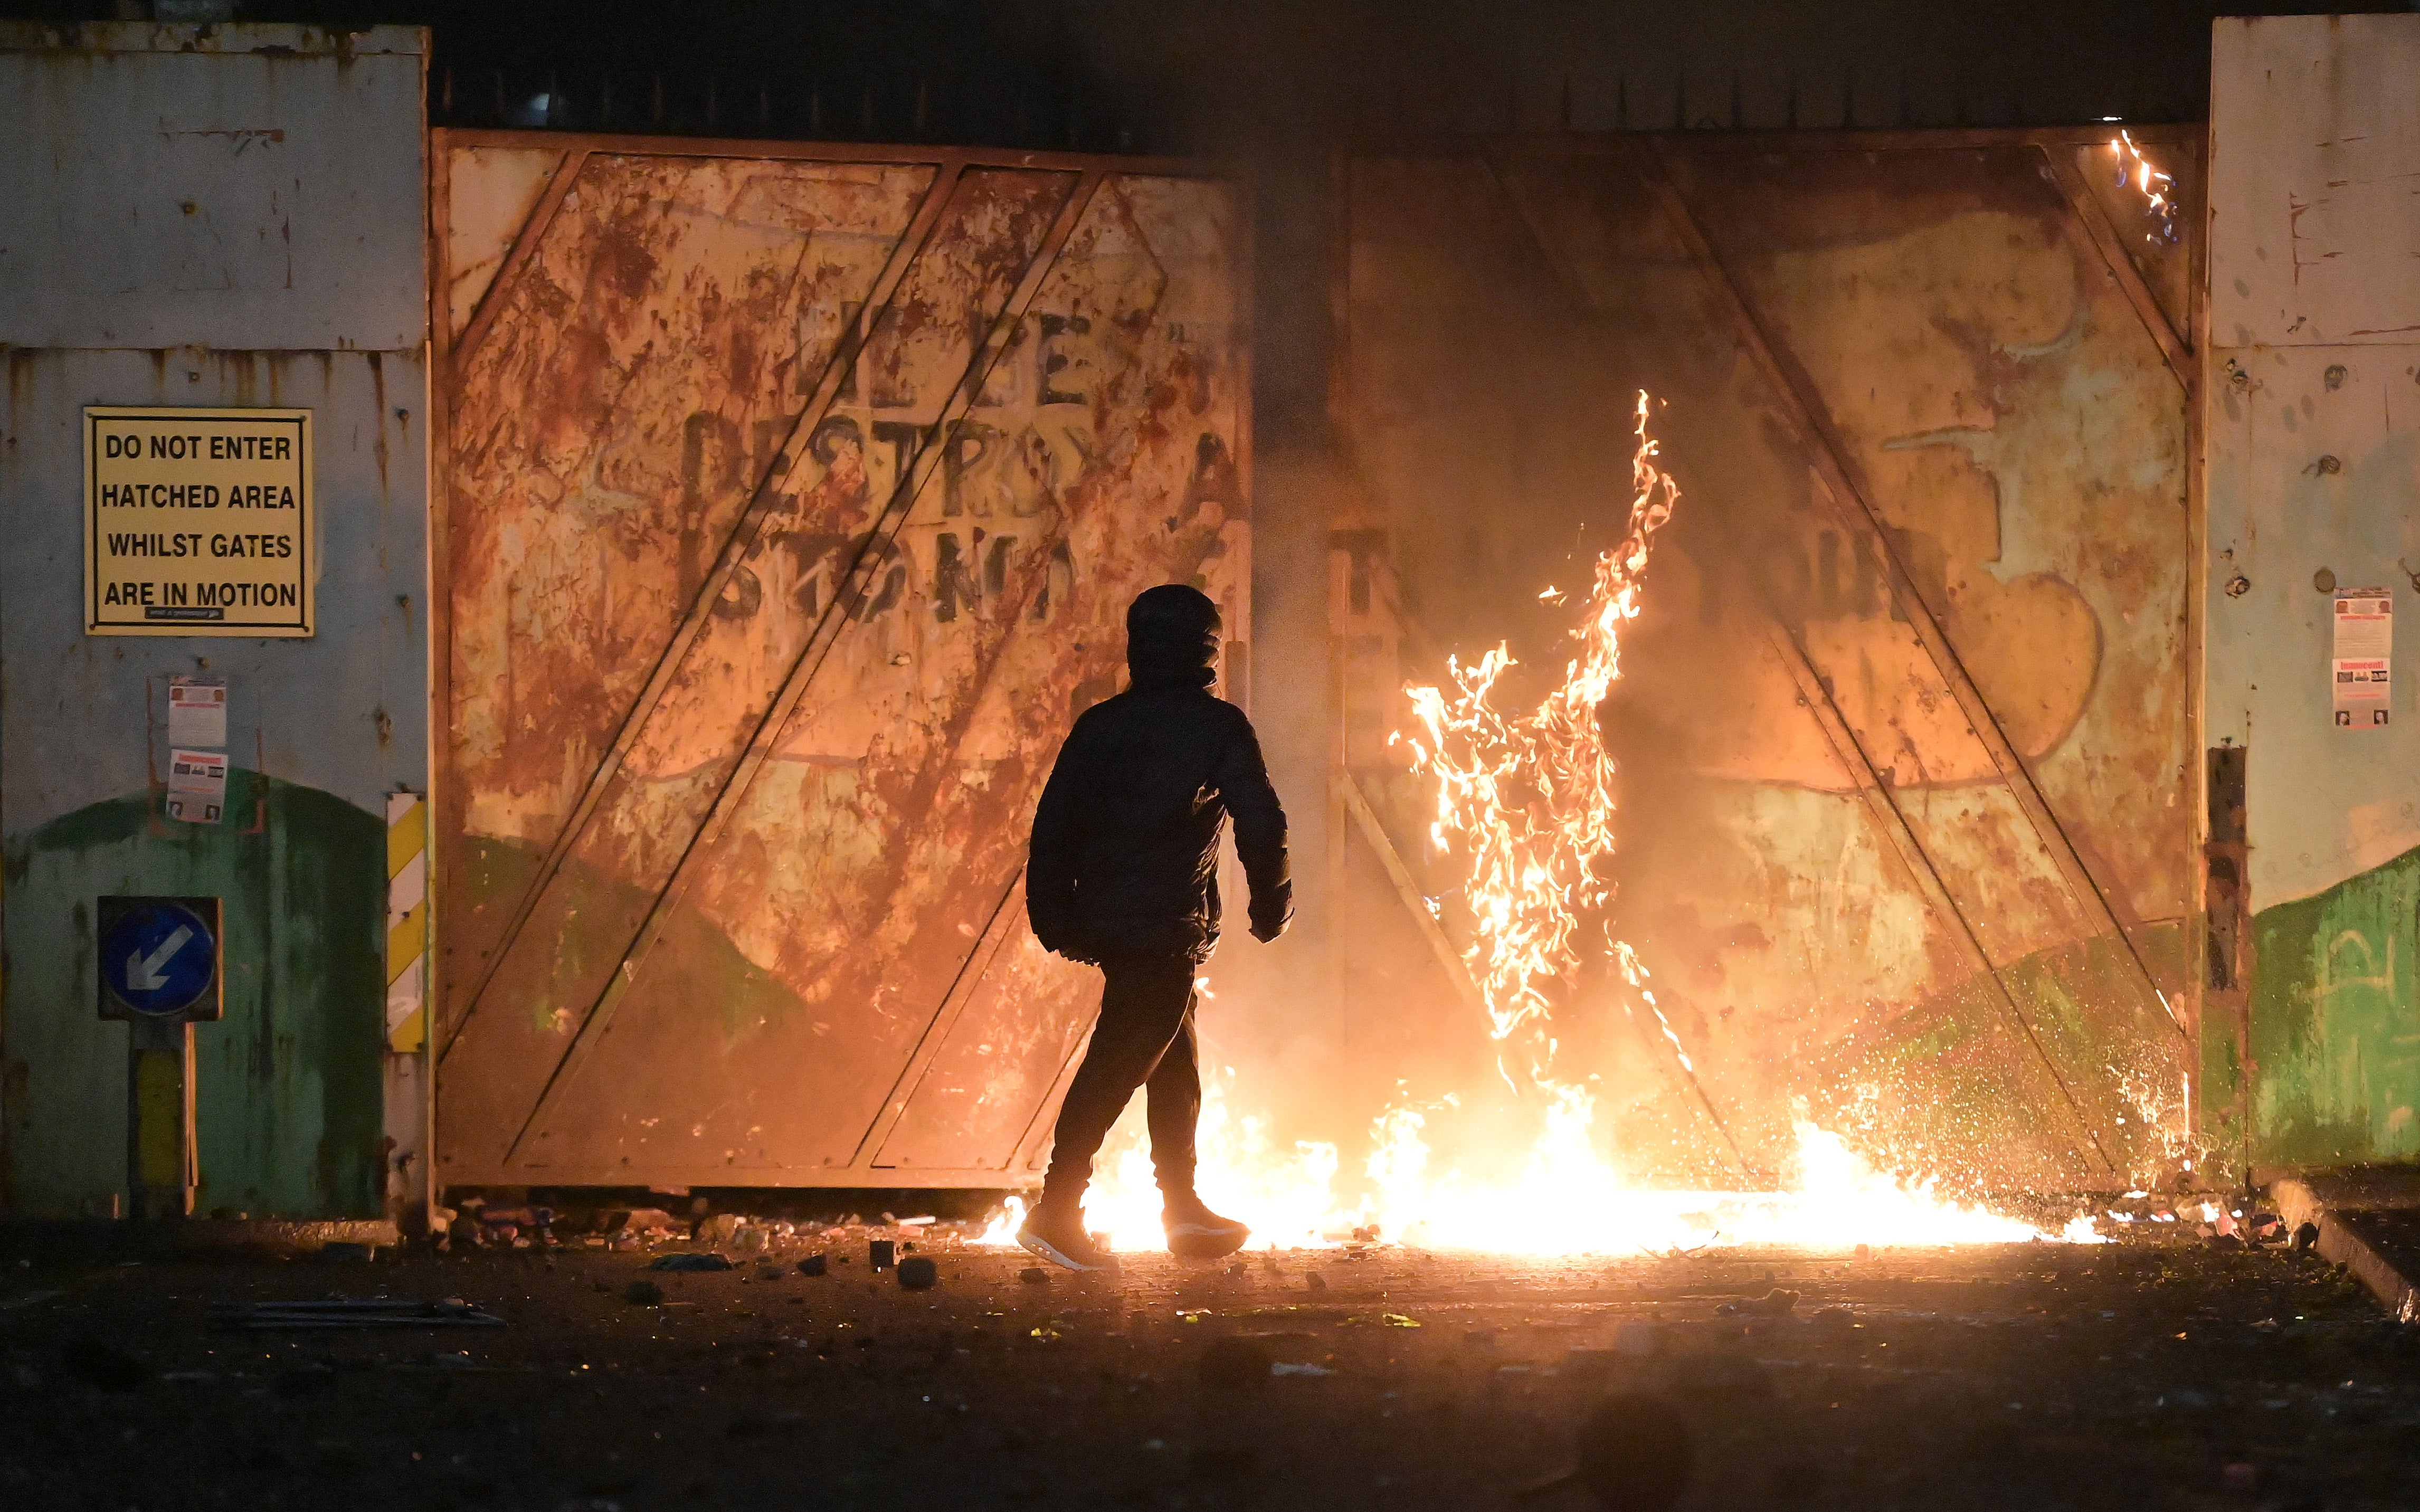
[406, 922]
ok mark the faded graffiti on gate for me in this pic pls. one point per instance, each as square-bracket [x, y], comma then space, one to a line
[781, 791]
[1904, 727]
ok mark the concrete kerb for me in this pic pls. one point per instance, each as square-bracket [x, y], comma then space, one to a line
[2343, 1206]
[76, 1240]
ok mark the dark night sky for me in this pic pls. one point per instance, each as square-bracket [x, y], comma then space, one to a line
[1279, 83]
[1183, 75]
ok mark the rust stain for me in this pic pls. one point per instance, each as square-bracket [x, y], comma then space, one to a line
[2025, 447]
[837, 905]
[377, 409]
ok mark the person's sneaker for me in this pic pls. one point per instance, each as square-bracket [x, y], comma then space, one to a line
[1196, 1233]
[1060, 1238]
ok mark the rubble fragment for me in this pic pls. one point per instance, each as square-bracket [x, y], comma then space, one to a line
[691, 1261]
[1586, 1363]
[814, 1265]
[1232, 1362]
[918, 1273]
[1719, 1377]
[641, 1221]
[758, 1424]
[102, 1366]
[1796, 1480]
[1774, 1303]
[882, 1252]
[1634, 1455]
[1222, 1462]
[516, 1226]
[377, 1312]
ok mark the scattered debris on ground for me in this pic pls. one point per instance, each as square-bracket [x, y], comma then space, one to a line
[2165, 1370]
[691, 1261]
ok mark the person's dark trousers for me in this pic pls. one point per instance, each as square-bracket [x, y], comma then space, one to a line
[1144, 1039]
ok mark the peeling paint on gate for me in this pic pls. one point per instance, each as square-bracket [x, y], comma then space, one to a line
[1849, 894]
[288, 1083]
[753, 946]
[2335, 1034]
[293, 278]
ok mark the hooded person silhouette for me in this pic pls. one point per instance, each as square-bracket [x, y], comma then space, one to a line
[1123, 874]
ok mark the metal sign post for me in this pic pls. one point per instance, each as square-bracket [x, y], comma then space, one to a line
[159, 971]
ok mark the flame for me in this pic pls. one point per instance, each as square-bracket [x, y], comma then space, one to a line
[1562, 1198]
[2158, 190]
[1003, 1224]
[1526, 799]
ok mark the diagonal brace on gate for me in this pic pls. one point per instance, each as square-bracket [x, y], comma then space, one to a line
[857, 585]
[1815, 694]
[2087, 226]
[737, 548]
[1803, 409]
[565, 174]
[1874, 785]
[997, 926]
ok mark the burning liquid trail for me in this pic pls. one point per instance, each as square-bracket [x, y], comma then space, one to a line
[2159, 190]
[1528, 800]
[1561, 1198]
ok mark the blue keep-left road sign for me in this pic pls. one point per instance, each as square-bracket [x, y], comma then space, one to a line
[160, 957]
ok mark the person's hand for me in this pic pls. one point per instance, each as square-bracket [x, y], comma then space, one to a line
[1061, 941]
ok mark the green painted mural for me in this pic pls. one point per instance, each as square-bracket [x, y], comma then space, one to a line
[1951, 1077]
[2336, 1021]
[288, 1102]
[302, 1110]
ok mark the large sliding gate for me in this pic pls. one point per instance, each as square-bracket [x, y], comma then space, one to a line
[1908, 730]
[790, 498]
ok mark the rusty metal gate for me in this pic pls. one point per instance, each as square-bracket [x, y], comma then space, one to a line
[789, 498]
[1908, 733]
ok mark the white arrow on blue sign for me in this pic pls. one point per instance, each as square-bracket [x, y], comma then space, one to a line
[162, 957]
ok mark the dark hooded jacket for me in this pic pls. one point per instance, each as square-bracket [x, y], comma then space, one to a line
[1125, 840]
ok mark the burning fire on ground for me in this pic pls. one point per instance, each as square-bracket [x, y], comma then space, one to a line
[1525, 798]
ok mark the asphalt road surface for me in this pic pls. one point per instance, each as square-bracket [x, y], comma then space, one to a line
[2142, 1376]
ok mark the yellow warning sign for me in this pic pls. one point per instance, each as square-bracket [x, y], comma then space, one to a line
[197, 522]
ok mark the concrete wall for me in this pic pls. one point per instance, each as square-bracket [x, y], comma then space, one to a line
[2311, 427]
[229, 216]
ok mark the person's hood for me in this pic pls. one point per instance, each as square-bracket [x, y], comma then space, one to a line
[1173, 638]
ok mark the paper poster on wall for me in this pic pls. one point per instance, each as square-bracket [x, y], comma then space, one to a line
[197, 522]
[198, 782]
[2361, 660]
[196, 711]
